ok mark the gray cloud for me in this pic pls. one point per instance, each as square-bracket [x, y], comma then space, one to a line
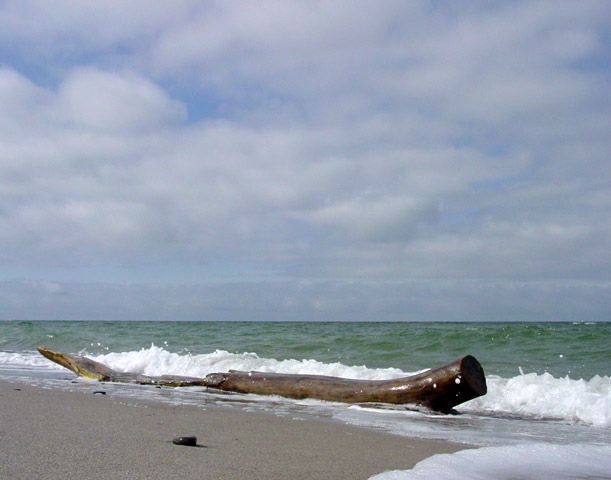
[306, 142]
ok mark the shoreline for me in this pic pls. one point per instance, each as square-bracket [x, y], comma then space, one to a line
[49, 433]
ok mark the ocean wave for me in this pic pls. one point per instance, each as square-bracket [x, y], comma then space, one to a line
[547, 397]
[158, 361]
[27, 359]
[544, 396]
[526, 395]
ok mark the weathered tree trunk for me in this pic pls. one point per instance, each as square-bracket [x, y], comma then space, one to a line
[440, 389]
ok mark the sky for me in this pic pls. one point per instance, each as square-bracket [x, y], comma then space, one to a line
[305, 160]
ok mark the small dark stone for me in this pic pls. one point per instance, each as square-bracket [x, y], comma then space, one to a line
[101, 392]
[17, 389]
[187, 441]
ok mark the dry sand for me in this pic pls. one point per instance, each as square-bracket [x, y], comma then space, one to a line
[56, 434]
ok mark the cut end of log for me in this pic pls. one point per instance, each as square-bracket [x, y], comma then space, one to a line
[473, 373]
[453, 384]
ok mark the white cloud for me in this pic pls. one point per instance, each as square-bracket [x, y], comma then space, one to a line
[385, 219]
[19, 98]
[124, 103]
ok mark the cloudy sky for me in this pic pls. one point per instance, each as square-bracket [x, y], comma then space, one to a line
[305, 160]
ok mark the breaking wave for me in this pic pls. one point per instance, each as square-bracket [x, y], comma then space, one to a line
[532, 395]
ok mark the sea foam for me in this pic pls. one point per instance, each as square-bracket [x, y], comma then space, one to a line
[27, 359]
[158, 361]
[523, 462]
[546, 397]
[526, 395]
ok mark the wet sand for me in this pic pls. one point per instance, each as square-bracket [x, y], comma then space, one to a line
[55, 434]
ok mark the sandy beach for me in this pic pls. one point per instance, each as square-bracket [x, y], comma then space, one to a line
[50, 434]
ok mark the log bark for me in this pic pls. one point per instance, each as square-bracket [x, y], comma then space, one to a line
[439, 389]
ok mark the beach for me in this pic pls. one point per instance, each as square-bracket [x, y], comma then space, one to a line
[50, 433]
[546, 393]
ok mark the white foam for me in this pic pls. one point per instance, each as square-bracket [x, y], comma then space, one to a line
[547, 397]
[586, 402]
[27, 359]
[530, 395]
[540, 461]
[157, 361]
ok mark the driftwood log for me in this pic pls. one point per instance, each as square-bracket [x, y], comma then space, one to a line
[439, 389]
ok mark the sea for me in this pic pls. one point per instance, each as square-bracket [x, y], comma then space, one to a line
[547, 413]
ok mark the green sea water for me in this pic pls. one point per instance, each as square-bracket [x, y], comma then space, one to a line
[576, 350]
[547, 383]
